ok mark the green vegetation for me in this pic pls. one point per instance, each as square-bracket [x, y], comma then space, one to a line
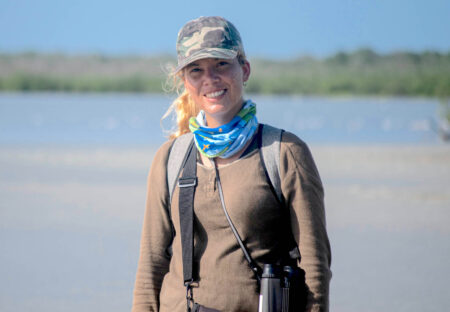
[362, 72]
[41, 82]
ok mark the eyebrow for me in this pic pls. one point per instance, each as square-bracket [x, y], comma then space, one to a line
[196, 64]
[191, 65]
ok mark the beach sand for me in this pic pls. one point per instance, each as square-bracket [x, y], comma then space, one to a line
[70, 221]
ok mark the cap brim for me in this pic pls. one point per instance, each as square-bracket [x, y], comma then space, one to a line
[207, 53]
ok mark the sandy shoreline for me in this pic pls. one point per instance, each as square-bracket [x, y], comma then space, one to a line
[395, 197]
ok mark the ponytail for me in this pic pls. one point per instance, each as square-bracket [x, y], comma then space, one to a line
[184, 108]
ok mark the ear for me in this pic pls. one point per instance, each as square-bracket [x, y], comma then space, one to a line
[246, 70]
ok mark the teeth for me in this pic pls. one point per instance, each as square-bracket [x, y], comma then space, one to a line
[215, 94]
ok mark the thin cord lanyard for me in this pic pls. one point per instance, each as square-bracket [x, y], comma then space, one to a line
[253, 266]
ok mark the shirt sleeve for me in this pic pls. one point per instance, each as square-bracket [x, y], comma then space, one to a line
[303, 192]
[156, 237]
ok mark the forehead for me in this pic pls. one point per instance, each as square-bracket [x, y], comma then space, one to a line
[207, 61]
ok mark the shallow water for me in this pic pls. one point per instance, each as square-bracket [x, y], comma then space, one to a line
[135, 119]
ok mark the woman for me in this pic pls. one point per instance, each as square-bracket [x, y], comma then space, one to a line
[213, 70]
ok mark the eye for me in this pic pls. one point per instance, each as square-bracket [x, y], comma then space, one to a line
[222, 63]
[194, 70]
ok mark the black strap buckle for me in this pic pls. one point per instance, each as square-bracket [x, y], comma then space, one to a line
[190, 304]
[187, 182]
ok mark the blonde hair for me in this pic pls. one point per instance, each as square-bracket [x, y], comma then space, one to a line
[183, 106]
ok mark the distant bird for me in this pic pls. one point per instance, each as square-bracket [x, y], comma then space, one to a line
[442, 127]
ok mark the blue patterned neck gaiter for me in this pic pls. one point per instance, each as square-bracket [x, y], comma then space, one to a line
[228, 139]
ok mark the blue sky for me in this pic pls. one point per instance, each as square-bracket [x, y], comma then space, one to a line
[281, 28]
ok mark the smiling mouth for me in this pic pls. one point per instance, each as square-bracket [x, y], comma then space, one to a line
[215, 94]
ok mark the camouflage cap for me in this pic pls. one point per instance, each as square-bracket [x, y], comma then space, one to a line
[206, 37]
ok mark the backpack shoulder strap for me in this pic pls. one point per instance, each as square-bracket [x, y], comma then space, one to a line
[177, 158]
[270, 145]
[187, 183]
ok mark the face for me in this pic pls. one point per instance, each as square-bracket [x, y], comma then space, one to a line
[216, 87]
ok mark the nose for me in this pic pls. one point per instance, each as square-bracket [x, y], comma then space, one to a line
[211, 75]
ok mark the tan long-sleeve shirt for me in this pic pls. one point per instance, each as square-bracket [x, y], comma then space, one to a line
[225, 281]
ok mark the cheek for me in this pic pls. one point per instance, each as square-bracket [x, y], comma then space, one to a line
[194, 95]
[237, 82]
[237, 78]
[237, 74]
[190, 88]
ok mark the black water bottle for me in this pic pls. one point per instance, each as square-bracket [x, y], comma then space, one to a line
[270, 297]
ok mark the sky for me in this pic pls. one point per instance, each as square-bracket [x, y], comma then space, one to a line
[276, 29]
